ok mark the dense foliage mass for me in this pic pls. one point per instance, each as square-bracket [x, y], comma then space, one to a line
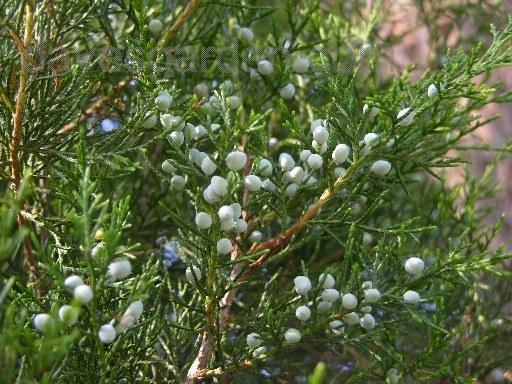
[248, 192]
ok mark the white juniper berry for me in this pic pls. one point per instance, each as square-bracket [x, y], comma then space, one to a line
[259, 351]
[291, 190]
[265, 168]
[371, 139]
[317, 123]
[320, 148]
[292, 336]
[351, 318]
[315, 161]
[265, 67]
[236, 160]
[241, 225]
[349, 301]
[288, 91]
[226, 213]
[178, 182]
[374, 111]
[381, 167]
[286, 161]
[302, 285]
[255, 236]
[330, 295]
[320, 134]
[43, 322]
[296, 175]
[246, 34]
[304, 155]
[268, 185]
[253, 183]
[339, 171]
[254, 340]
[366, 309]
[129, 317]
[168, 167]
[224, 246]
[372, 295]
[327, 280]
[237, 210]
[150, 121]
[300, 64]
[323, 306]
[367, 321]
[227, 225]
[119, 269]
[340, 153]
[219, 185]
[208, 166]
[68, 314]
[303, 313]
[201, 90]
[405, 117]
[72, 282]
[432, 90]
[234, 102]
[177, 137]
[155, 26]
[83, 294]
[107, 334]
[414, 265]
[163, 101]
[203, 220]
[368, 239]
[336, 324]
[412, 297]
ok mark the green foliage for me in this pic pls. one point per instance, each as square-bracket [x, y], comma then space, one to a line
[92, 196]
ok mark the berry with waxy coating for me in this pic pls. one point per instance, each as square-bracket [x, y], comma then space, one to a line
[292, 335]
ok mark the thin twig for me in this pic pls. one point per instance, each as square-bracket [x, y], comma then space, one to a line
[274, 244]
[17, 129]
[182, 18]
[97, 106]
[17, 40]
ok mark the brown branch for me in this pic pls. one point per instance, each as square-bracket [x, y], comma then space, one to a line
[198, 369]
[17, 129]
[17, 39]
[182, 18]
[273, 245]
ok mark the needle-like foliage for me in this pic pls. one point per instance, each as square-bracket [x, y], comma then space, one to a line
[247, 192]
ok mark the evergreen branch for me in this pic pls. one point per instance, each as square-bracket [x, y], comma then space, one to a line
[197, 371]
[17, 130]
